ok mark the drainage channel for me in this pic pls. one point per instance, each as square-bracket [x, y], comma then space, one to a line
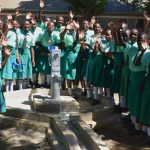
[65, 117]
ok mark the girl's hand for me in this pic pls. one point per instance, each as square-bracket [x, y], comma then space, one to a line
[69, 26]
[33, 63]
[28, 15]
[41, 3]
[76, 24]
[146, 15]
[4, 42]
[144, 45]
[7, 51]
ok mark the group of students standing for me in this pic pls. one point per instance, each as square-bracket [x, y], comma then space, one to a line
[115, 59]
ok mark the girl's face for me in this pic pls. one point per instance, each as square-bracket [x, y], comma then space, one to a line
[50, 26]
[143, 41]
[126, 35]
[33, 25]
[81, 36]
[15, 25]
[26, 26]
[97, 28]
[85, 25]
[60, 21]
[108, 36]
[133, 35]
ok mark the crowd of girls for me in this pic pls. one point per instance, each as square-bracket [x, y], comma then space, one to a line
[105, 61]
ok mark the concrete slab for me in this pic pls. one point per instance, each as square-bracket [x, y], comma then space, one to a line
[44, 103]
[18, 99]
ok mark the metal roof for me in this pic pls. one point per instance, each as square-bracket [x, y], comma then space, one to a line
[60, 5]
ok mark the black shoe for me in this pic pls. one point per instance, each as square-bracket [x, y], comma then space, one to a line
[43, 85]
[75, 97]
[95, 102]
[130, 127]
[84, 93]
[28, 86]
[117, 109]
[126, 117]
[143, 134]
[125, 122]
[36, 85]
[48, 86]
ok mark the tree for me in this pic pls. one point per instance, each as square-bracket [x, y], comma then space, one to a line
[143, 5]
[87, 8]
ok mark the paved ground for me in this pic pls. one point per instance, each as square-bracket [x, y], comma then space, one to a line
[115, 135]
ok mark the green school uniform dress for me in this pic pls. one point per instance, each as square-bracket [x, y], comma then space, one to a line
[94, 65]
[78, 61]
[82, 57]
[125, 73]
[59, 29]
[69, 64]
[107, 46]
[36, 33]
[144, 116]
[46, 39]
[25, 43]
[9, 70]
[41, 25]
[85, 54]
[137, 78]
[2, 98]
[118, 61]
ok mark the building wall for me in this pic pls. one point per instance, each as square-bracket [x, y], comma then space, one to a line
[103, 19]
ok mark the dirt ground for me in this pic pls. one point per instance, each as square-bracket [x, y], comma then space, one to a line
[118, 137]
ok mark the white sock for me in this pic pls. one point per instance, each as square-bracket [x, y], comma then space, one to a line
[138, 126]
[100, 91]
[7, 85]
[148, 131]
[133, 119]
[24, 83]
[83, 90]
[91, 91]
[122, 102]
[75, 89]
[48, 79]
[20, 84]
[108, 92]
[70, 91]
[42, 78]
[11, 84]
[88, 93]
[144, 128]
[95, 93]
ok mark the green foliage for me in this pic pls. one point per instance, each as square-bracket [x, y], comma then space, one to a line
[87, 8]
[142, 4]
